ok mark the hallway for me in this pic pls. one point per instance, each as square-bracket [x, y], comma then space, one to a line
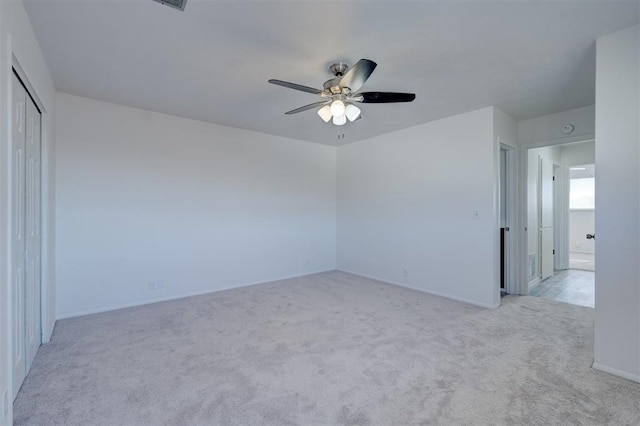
[571, 286]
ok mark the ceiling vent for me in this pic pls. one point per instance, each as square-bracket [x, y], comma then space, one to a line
[176, 4]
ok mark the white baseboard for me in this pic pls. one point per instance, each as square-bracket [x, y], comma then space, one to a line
[433, 293]
[175, 297]
[46, 337]
[616, 372]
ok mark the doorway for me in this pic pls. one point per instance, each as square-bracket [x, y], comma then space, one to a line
[503, 220]
[560, 197]
[507, 219]
[582, 217]
[26, 231]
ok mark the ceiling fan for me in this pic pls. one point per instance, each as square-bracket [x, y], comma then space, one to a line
[340, 93]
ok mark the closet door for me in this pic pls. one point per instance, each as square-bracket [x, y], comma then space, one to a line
[18, 142]
[32, 233]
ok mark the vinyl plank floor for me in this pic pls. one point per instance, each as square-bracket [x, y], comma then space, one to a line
[571, 286]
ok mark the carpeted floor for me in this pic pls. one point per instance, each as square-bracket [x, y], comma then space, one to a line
[330, 348]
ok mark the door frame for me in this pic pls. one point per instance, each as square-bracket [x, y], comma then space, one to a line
[511, 238]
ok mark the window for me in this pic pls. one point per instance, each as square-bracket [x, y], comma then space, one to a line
[582, 193]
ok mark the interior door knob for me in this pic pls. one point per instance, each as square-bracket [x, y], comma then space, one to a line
[591, 236]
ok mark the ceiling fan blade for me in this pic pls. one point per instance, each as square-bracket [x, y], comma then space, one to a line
[295, 86]
[358, 74]
[307, 107]
[385, 97]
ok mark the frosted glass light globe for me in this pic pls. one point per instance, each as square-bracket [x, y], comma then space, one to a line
[325, 113]
[339, 120]
[352, 112]
[337, 108]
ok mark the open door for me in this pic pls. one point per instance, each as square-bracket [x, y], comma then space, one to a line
[546, 219]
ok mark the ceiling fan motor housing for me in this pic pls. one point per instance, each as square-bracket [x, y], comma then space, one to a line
[333, 85]
[338, 69]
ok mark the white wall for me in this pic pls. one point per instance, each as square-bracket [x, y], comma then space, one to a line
[578, 153]
[617, 325]
[18, 40]
[547, 129]
[146, 197]
[406, 202]
[581, 223]
[505, 128]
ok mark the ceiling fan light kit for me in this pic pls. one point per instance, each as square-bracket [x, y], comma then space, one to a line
[342, 91]
[337, 108]
[352, 112]
[339, 120]
[325, 113]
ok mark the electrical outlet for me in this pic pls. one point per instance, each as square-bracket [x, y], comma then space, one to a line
[156, 284]
[476, 215]
[405, 272]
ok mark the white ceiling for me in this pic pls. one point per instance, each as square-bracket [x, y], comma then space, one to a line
[212, 62]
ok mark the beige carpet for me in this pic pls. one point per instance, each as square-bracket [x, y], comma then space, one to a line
[330, 348]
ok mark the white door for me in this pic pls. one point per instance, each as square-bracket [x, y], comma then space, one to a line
[546, 219]
[25, 227]
[17, 232]
[32, 233]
